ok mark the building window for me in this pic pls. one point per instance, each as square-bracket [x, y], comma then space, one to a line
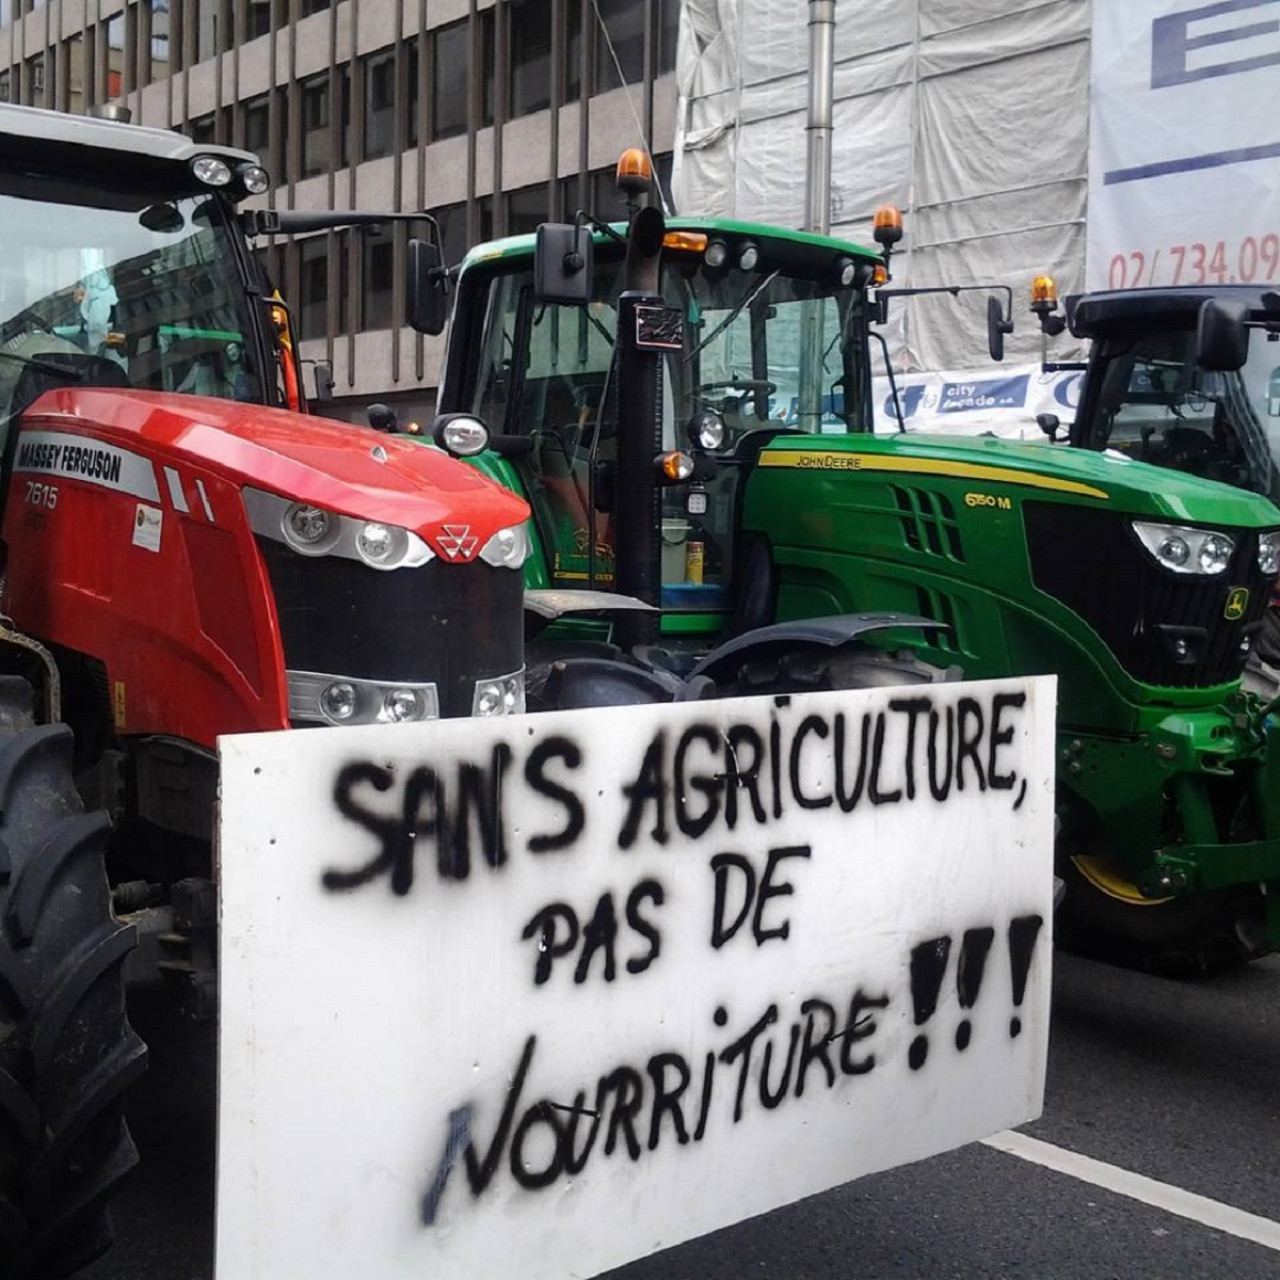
[6, 17]
[622, 25]
[6, 90]
[201, 130]
[449, 81]
[344, 115]
[666, 20]
[113, 80]
[529, 39]
[573, 50]
[214, 30]
[257, 127]
[526, 209]
[258, 19]
[158, 65]
[315, 126]
[411, 91]
[379, 269]
[282, 149]
[452, 221]
[35, 81]
[379, 104]
[484, 217]
[313, 287]
[488, 60]
[314, 6]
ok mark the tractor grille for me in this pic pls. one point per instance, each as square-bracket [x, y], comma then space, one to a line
[1094, 564]
[928, 522]
[447, 624]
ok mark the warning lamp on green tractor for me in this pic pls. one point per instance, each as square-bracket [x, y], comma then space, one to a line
[886, 227]
[633, 176]
[1044, 302]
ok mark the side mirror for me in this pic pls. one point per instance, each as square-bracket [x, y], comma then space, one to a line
[997, 327]
[1222, 335]
[382, 417]
[426, 301]
[323, 376]
[1049, 424]
[562, 264]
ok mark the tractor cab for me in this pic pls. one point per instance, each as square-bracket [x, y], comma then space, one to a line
[762, 332]
[127, 264]
[1158, 388]
[127, 267]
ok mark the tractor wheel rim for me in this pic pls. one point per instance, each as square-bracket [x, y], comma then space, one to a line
[1103, 876]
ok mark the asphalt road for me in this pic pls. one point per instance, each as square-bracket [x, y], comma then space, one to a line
[1176, 1081]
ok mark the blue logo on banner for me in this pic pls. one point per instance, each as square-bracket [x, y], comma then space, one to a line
[991, 393]
[1067, 391]
[908, 397]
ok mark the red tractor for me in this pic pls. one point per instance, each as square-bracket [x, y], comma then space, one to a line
[183, 557]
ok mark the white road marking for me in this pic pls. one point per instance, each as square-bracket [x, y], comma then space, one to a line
[1160, 1195]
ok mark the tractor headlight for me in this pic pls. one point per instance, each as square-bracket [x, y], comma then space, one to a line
[317, 698]
[1186, 550]
[212, 171]
[382, 545]
[309, 529]
[508, 548]
[254, 178]
[707, 431]
[499, 696]
[313, 531]
[460, 434]
[1269, 554]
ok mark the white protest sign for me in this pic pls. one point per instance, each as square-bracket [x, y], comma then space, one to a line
[1184, 144]
[536, 996]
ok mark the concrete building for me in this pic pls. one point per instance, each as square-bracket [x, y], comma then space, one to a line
[493, 115]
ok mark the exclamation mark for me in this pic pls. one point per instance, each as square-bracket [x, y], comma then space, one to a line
[1022, 940]
[970, 966]
[928, 967]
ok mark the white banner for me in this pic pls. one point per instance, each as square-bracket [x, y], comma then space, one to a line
[996, 400]
[1184, 153]
[537, 996]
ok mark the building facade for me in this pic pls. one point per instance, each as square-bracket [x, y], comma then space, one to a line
[492, 115]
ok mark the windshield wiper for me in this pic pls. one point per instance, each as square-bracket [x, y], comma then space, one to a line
[734, 314]
[44, 366]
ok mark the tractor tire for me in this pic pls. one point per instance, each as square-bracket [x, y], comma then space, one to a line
[67, 1052]
[1186, 936]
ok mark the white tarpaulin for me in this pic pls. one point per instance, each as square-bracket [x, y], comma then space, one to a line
[1184, 169]
[973, 117]
[535, 996]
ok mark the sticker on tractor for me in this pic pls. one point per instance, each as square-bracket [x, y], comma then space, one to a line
[147, 527]
[118, 704]
[1237, 603]
[659, 328]
[535, 996]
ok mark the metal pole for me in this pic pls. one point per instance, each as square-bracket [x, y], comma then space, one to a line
[817, 213]
[822, 45]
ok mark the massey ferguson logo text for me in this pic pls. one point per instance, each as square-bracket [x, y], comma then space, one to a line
[457, 541]
[70, 460]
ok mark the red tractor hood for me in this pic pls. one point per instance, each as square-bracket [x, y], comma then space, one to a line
[351, 470]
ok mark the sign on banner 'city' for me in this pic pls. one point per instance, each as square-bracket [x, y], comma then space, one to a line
[1184, 163]
[542, 995]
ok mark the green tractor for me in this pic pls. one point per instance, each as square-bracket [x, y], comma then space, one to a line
[686, 406]
[1148, 393]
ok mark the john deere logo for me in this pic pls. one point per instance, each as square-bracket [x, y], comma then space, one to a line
[1237, 603]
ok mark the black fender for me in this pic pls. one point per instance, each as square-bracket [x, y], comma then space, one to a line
[780, 638]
